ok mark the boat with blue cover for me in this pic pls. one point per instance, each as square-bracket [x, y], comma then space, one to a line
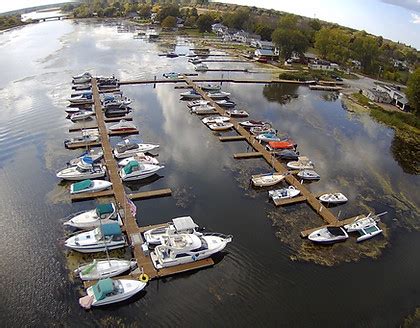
[103, 238]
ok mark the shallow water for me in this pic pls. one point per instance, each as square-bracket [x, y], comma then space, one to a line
[255, 282]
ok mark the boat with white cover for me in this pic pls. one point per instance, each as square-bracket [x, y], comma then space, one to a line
[123, 125]
[102, 214]
[267, 180]
[136, 171]
[81, 115]
[256, 130]
[201, 67]
[141, 158]
[130, 149]
[218, 95]
[214, 119]
[283, 193]
[89, 186]
[186, 248]
[210, 87]
[192, 94]
[83, 75]
[86, 138]
[303, 163]
[179, 225]
[220, 126]
[254, 124]
[237, 113]
[82, 80]
[195, 103]
[202, 109]
[226, 103]
[328, 235]
[308, 175]
[72, 110]
[85, 169]
[106, 237]
[333, 198]
[81, 99]
[105, 268]
[82, 87]
[108, 291]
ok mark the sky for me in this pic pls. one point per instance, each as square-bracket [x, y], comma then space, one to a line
[398, 20]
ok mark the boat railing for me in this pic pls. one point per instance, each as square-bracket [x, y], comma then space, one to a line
[218, 234]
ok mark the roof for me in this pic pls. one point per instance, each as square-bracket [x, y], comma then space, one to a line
[102, 288]
[264, 52]
[77, 186]
[102, 209]
[184, 223]
[131, 166]
[264, 44]
[111, 229]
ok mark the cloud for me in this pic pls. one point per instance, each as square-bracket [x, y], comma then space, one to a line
[407, 4]
[416, 18]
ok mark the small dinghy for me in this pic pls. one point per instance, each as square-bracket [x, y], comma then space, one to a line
[94, 154]
[308, 175]
[108, 291]
[280, 145]
[89, 186]
[262, 129]
[86, 139]
[210, 87]
[303, 163]
[283, 193]
[141, 158]
[105, 237]
[218, 95]
[136, 171]
[333, 198]
[214, 119]
[267, 180]
[186, 248]
[287, 154]
[237, 113]
[192, 94]
[201, 68]
[226, 103]
[85, 169]
[130, 149]
[102, 214]
[81, 115]
[123, 125]
[253, 124]
[106, 268]
[328, 235]
[180, 225]
[368, 232]
[195, 103]
[220, 126]
[202, 109]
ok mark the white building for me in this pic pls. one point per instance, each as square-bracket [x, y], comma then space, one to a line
[398, 98]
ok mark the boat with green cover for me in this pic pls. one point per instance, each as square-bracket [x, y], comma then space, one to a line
[89, 186]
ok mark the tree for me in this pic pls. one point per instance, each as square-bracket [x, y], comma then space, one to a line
[288, 21]
[333, 44]
[290, 41]
[366, 50]
[168, 10]
[264, 31]
[169, 22]
[204, 23]
[413, 91]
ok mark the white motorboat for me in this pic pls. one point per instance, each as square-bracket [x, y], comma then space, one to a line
[116, 99]
[254, 124]
[210, 87]
[82, 80]
[141, 158]
[237, 113]
[136, 171]
[89, 186]
[214, 119]
[201, 67]
[81, 115]
[303, 163]
[72, 110]
[363, 222]
[85, 139]
[308, 175]
[267, 137]
[82, 87]
[192, 94]
[130, 149]
[186, 248]
[328, 235]
[256, 130]
[108, 291]
[180, 225]
[83, 75]
[220, 126]
[283, 193]
[218, 95]
[267, 180]
[123, 125]
[83, 170]
[94, 154]
[368, 232]
[195, 103]
[226, 103]
[202, 109]
[333, 198]
[105, 237]
[102, 214]
[82, 99]
[106, 268]
[195, 61]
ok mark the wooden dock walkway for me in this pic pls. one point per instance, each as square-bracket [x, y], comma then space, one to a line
[215, 79]
[289, 201]
[325, 87]
[251, 154]
[151, 194]
[83, 145]
[232, 138]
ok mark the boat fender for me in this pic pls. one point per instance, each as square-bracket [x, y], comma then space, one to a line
[144, 278]
[194, 257]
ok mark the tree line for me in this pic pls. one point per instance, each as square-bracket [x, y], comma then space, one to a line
[10, 21]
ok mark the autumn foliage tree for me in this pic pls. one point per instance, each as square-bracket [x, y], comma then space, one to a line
[413, 91]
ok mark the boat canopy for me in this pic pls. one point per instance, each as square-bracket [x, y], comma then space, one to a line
[82, 185]
[184, 223]
[124, 148]
[336, 231]
[111, 229]
[102, 288]
[102, 209]
[87, 159]
[131, 166]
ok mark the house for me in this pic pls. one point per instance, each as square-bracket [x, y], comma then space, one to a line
[400, 64]
[219, 29]
[321, 65]
[357, 65]
[180, 22]
[264, 45]
[253, 38]
[377, 96]
[241, 36]
[265, 54]
[398, 98]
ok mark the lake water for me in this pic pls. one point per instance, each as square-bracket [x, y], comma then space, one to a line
[268, 276]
